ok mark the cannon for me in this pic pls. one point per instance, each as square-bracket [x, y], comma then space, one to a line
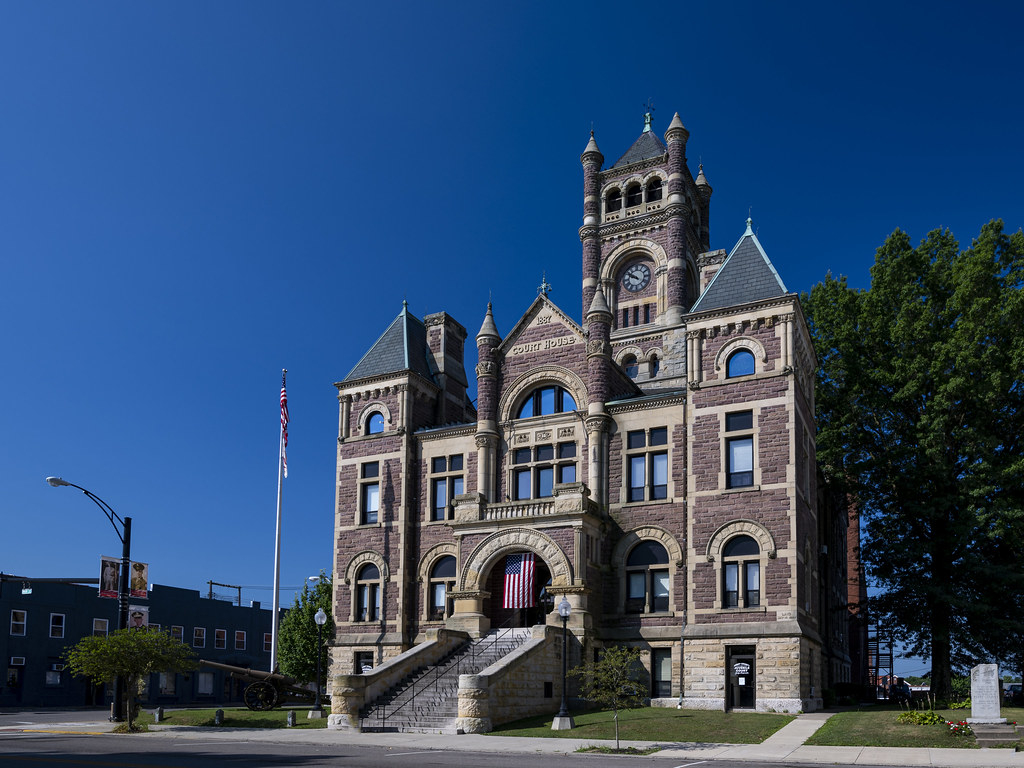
[265, 690]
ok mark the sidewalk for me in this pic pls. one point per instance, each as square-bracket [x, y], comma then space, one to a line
[786, 745]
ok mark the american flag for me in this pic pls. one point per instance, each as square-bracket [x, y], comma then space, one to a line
[284, 427]
[519, 581]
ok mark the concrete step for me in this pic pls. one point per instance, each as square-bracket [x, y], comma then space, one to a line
[995, 734]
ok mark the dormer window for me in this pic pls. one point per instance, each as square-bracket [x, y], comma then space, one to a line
[613, 202]
[654, 190]
[545, 401]
[634, 195]
[375, 424]
[740, 363]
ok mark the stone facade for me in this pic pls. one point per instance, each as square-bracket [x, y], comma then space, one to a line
[657, 460]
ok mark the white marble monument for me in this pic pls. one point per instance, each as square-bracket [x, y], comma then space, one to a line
[985, 694]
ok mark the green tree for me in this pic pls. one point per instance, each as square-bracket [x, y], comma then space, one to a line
[297, 647]
[611, 681]
[129, 654]
[920, 421]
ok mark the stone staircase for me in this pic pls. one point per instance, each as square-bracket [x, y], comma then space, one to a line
[995, 734]
[428, 700]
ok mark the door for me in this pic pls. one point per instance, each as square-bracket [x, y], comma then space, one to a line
[740, 678]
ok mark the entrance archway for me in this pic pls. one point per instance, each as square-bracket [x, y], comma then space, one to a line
[538, 603]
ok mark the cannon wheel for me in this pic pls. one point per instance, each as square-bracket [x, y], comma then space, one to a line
[260, 696]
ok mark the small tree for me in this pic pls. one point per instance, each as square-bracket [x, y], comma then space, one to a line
[298, 639]
[129, 654]
[611, 683]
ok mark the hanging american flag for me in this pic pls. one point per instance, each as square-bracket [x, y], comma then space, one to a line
[284, 427]
[519, 581]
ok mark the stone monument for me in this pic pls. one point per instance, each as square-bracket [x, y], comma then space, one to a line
[985, 695]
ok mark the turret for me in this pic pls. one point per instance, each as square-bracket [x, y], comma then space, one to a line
[592, 160]
[679, 214]
[487, 341]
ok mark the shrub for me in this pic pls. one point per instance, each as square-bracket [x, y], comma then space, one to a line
[920, 717]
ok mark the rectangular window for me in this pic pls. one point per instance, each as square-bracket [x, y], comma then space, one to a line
[751, 584]
[647, 472]
[167, 683]
[636, 592]
[445, 488]
[732, 594]
[364, 662]
[268, 642]
[368, 606]
[18, 621]
[659, 590]
[239, 640]
[661, 672]
[204, 684]
[220, 639]
[739, 450]
[57, 625]
[52, 678]
[625, 318]
[100, 627]
[153, 627]
[199, 637]
[546, 465]
[177, 632]
[370, 493]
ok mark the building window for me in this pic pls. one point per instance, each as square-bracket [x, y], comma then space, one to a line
[177, 632]
[630, 366]
[613, 202]
[268, 642]
[18, 621]
[739, 449]
[239, 640]
[375, 424]
[647, 470]
[661, 673]
[100, 627]
[167, 683]
[655, 364]
[153, 627]
[740, 363]
[535, 469]
[199, 637]
[654, 190]
[447, 483]
[57, 625]
[368, 593]
[364, 662]
[442, 582]
[220, 639]
[204, 684]
[545, 401]
[647, 578]
[634, 195]
[369, 493]
[741, 572]
[52, 677]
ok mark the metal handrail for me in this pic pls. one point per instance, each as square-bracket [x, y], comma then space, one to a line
[444, 667]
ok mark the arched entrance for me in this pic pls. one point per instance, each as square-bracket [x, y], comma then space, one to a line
[517, 585]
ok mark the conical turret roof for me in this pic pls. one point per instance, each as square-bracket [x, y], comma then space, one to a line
[746, 275]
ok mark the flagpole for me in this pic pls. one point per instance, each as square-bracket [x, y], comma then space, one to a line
[277, 531]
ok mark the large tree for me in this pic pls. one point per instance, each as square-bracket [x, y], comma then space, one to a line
[920, 421]
[298, 643]
[129, 654]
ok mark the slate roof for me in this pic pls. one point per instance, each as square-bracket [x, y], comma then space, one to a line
[746, 275]
[647, 147]
[402, 347]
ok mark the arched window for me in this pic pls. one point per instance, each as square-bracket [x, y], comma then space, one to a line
[442, 581]
[654, 190]
[368, 593]
[741, 573]
[630, 366]
[634, 195]
[613, 202]
[740, 363]
[545, 401]
[375, 424]
[655, 364]
[647, 578]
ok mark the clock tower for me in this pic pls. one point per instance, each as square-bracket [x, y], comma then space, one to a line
[645, 221]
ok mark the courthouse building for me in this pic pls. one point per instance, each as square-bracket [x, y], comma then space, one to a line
[651, 459]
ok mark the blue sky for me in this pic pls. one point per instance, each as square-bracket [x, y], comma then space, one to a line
[196, 195]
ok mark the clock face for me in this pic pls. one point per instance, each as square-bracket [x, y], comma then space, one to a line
[636, 277]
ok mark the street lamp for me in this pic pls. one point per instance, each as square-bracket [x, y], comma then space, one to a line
[320, 618]
[562, 721]
[125, 535]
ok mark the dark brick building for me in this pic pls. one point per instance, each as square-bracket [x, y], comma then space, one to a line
[657, 459]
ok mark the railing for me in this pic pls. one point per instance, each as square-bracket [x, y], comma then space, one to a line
[432, 680]
[518, 509]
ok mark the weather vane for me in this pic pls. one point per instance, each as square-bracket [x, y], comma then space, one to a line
[544, 288]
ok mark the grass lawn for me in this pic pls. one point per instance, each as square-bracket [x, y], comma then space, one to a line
[658, 724]
[236, 718]
[877, 727]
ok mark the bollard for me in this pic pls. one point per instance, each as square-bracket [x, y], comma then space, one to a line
[158, 715]
[291, 718]
[218, 717]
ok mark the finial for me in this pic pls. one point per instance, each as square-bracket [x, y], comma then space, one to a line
[648, 109]
[750, 224]
[544, 288]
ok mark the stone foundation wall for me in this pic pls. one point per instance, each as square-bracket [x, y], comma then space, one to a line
[513, 687]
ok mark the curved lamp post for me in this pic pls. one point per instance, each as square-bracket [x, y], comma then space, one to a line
[320, 618]
[562, 721]
[125, 535]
